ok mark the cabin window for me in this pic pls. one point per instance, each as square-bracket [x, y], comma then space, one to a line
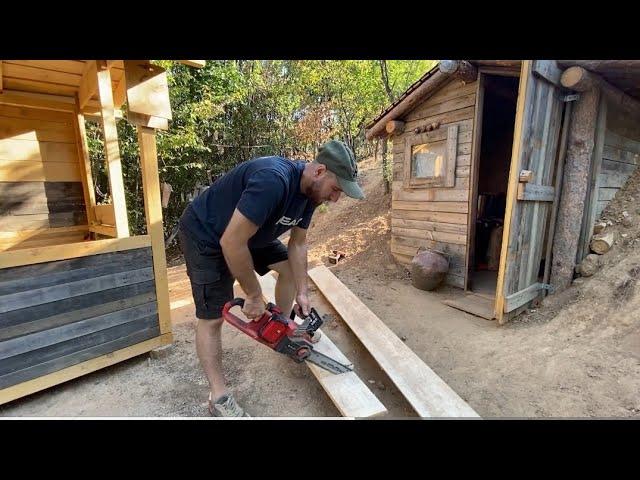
[429, 161]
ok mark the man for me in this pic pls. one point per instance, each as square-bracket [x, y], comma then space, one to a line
[232, 230]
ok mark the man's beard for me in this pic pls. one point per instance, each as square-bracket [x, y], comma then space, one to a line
[314, 193]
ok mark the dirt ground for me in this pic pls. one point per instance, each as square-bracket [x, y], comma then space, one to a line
[576, 356]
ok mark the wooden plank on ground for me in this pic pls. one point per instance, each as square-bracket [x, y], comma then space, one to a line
[428, 394]
[473, 304]
[347, 391]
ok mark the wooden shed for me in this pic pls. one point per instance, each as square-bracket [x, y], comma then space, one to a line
[480, 148]
[77, 291]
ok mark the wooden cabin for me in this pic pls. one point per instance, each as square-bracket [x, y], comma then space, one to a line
[483, 151]
[77, 291]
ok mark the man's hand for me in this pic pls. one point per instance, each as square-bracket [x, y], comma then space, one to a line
[254, 307]
[303, 306]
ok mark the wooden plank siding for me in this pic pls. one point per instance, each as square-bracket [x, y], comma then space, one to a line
[41, 191]
[620, 157]
[435, 217]
[57, 314]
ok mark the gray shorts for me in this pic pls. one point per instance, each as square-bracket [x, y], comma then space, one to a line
[211, 280]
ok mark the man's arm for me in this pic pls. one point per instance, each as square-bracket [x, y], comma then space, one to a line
[235, 248]
[298, 260]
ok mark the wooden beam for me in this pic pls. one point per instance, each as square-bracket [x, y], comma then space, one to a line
[22, 389]
[105, 214]
[548, 70]
[460, 68]
[96, 113]
[88, 83]
[148, 121]
[472, 197]
[427, 393]
[29, 256]
[420, 94]
[37, 100]
[347, 391]
[194, 63]
[105, 230]
[112, 150]
[595, 65]
[535, 193]
[581, 80]
[153, 215]
[120, 93]
[85, 163]
[522, 297]
[574, 188]
[556, 200]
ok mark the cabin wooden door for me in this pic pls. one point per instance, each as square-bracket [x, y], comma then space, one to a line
[529, 203]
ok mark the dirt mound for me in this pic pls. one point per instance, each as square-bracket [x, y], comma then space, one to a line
[360, 228]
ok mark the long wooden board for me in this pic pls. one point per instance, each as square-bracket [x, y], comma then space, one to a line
[427, 393]
[347, 391]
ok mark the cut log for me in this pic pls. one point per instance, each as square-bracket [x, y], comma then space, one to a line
[599, 227]
[602, 242]
[589, 265]
[598, 65]
[395, 127]
[574, 188]
[460, 68]
[578, 79]
[581, 80]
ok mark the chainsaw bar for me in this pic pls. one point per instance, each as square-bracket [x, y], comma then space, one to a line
[327, 363]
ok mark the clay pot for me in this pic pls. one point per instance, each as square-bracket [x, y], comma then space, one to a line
[428, 269]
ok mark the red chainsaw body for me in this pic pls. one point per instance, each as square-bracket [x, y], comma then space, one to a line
[269, 329]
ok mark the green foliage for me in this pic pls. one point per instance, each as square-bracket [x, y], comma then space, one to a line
[233, 110]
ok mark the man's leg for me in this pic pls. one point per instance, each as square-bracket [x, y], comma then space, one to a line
[285, 286]
[209, 349]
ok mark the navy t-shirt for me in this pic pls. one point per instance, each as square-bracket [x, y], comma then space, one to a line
[266, 190]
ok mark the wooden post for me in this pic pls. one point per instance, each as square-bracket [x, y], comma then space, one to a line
[593, 187]
[112, 151]
[574, 188]
[153, 214]
[556, 202]
[85, 164]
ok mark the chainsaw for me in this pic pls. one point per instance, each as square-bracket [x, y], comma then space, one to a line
[284, 335]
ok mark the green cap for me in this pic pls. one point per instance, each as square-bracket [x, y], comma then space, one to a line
[340, 160]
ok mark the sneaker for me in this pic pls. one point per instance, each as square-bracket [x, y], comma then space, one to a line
[226, 406]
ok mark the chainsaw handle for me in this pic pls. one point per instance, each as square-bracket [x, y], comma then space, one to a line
[235, 302]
